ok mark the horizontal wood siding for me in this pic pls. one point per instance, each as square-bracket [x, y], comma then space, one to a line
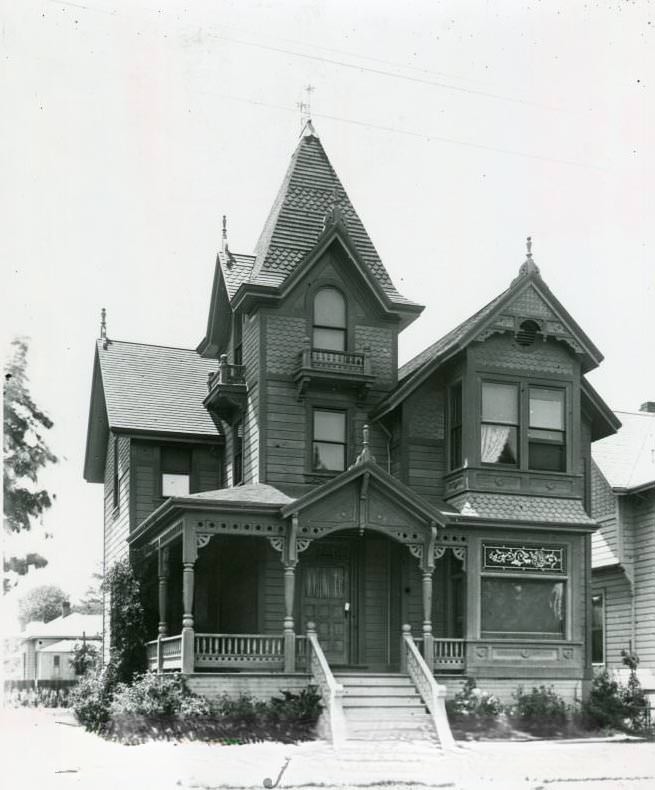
[272, 592]
[286, 434]
[618, 613]
[426, 469]
[206, 469]
[146, 493]
[117, 521]
[643, 526]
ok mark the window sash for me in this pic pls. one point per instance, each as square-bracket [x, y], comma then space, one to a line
[329, 440]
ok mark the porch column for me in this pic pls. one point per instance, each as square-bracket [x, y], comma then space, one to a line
[163, 565]
[427, 566]
[290, 560]
[428, 649]
[189, 556]
[289, 632]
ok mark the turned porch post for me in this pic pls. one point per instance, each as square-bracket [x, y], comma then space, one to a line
[427, 566]
[163, 565]
[189, 556]
[290, 560]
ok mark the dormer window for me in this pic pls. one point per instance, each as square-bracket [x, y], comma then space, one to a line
[329, 326]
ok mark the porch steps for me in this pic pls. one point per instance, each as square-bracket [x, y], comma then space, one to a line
[382, 707]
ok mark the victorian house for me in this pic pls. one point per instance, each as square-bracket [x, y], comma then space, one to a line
[623, 570]
[303, 509]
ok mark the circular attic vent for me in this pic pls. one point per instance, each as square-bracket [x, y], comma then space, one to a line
[527, 333]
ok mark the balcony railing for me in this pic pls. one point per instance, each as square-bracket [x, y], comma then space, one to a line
[348, 367]
[227, 373]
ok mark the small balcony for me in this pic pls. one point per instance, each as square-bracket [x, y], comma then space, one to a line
[227, 394]
[326, 368]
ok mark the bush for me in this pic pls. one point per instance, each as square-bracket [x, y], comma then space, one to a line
[540, 712]
[85, 657]
[604, 706]
[91, 699]
[157, 695]
[473, 709]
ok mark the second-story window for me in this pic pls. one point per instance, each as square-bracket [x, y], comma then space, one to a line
[546, 432]
[237, 347]
[175, 471]
[116, 476]
[329, 441]
[500, 424]
[329, 329]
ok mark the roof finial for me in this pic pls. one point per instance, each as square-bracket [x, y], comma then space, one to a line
[224, 234]
[528, 266]
[365, 454]
[528, 244]
[305, 107]
[103, 328]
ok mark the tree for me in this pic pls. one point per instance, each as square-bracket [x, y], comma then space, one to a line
[91, 602]
[86, 657]
[127, 654]
[42, 603]
[25, 455]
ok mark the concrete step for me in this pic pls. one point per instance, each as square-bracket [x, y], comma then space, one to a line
[372, 680]
[382, 702]
[390, 716]
[378, 691]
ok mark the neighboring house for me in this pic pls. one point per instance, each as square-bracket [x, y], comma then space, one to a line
[47, 648]
[623, 502]
[243, 480]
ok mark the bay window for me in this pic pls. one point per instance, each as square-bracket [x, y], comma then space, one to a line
[523, 426]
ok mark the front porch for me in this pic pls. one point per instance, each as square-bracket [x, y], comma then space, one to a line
[266, 653]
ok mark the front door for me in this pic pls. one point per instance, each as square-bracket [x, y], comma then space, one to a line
[326, 602]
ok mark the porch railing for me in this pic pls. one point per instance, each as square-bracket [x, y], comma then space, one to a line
[164, 653]
[331, 691]
[241, 651]
[432, 694]
[449, 654]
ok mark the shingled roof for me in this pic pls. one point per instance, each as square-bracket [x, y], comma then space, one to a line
[142, 388]
[627, 459]
[310, 190]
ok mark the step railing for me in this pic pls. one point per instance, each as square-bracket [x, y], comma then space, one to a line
[449, 654]
[331, 691]
[241, 651]
[432, 693]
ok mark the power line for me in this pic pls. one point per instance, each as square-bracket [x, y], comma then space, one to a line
[341, 63]
[407, 132]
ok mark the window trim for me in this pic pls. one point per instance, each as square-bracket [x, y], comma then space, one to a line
[452, 461]
[516, 425]
[237, 453]
[116, 480]
[524, 385]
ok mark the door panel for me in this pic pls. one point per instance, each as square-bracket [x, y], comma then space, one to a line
[325, 593]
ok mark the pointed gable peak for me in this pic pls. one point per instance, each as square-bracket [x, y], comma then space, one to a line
[310, 200]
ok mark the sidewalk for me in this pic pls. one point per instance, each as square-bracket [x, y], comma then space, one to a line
[38, 752]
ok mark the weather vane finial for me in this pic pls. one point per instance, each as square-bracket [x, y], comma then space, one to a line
[305, 108]
[103, 327]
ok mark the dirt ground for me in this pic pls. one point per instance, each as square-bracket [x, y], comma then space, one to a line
[45, 749]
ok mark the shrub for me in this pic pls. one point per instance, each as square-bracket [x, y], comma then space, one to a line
[634, 700]
[39, 698]
[473, 709]
[91, 699]
[541, 711]
[604, 706]
[157, 695]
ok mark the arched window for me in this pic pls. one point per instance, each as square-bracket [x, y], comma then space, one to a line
[329, 320]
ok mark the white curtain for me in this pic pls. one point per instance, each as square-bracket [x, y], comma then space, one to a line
[494, 439]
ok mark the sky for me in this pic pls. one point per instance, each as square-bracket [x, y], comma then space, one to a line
[457, 129]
